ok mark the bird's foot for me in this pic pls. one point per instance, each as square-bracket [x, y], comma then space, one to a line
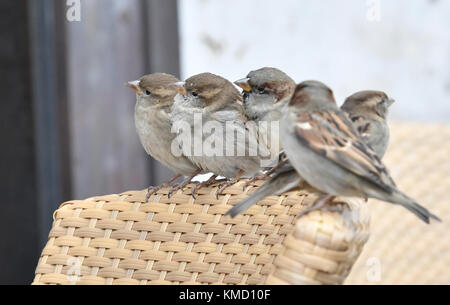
[229, 182]
[153, 189]
[178, 187]
[182, 184]
[320, 203]
[256, 178]
[224, 185]
[206, 183]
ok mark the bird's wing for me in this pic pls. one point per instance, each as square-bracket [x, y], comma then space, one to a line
[332, 135]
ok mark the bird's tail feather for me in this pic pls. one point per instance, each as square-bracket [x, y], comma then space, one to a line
[409, 204]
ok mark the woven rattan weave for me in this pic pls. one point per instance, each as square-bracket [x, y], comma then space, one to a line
[119, 239]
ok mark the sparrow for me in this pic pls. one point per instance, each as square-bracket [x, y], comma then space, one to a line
[368, 111]
[327, 151]
[265, 92]
[154, 99]
[210, 100]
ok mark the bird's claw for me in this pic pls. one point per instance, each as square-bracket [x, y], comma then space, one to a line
[254, 179]
[172, 190]
[320, 203]
[152, 190]
[182, 184]
[177, 187]
[195, 189]
[223, 186]
[210, 181]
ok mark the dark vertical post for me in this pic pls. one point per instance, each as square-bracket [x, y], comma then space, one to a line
[33, 163]
[47, 20]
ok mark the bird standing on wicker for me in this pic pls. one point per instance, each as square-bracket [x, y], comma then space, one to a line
[208, 101]
[154, 99]
[265, 92]
[329, 154]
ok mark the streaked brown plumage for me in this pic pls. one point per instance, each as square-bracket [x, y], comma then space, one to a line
[368, 111]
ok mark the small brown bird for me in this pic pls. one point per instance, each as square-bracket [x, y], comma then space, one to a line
[154, 99]
[368, 111]
[265, 92]
[210, 105]
[329, 154]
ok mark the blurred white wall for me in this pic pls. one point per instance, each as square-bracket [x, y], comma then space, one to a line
[406, 53]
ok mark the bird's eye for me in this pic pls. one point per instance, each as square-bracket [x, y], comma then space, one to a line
[261, 89]
[245, 95]
[355, 118]
[194, 94]
[147, 92]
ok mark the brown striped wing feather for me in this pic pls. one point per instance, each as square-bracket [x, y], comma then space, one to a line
[332, 135]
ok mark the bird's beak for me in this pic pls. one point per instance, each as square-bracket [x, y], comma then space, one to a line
[180, 87]
[134, 85]
[390, 102]
[243, 83]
